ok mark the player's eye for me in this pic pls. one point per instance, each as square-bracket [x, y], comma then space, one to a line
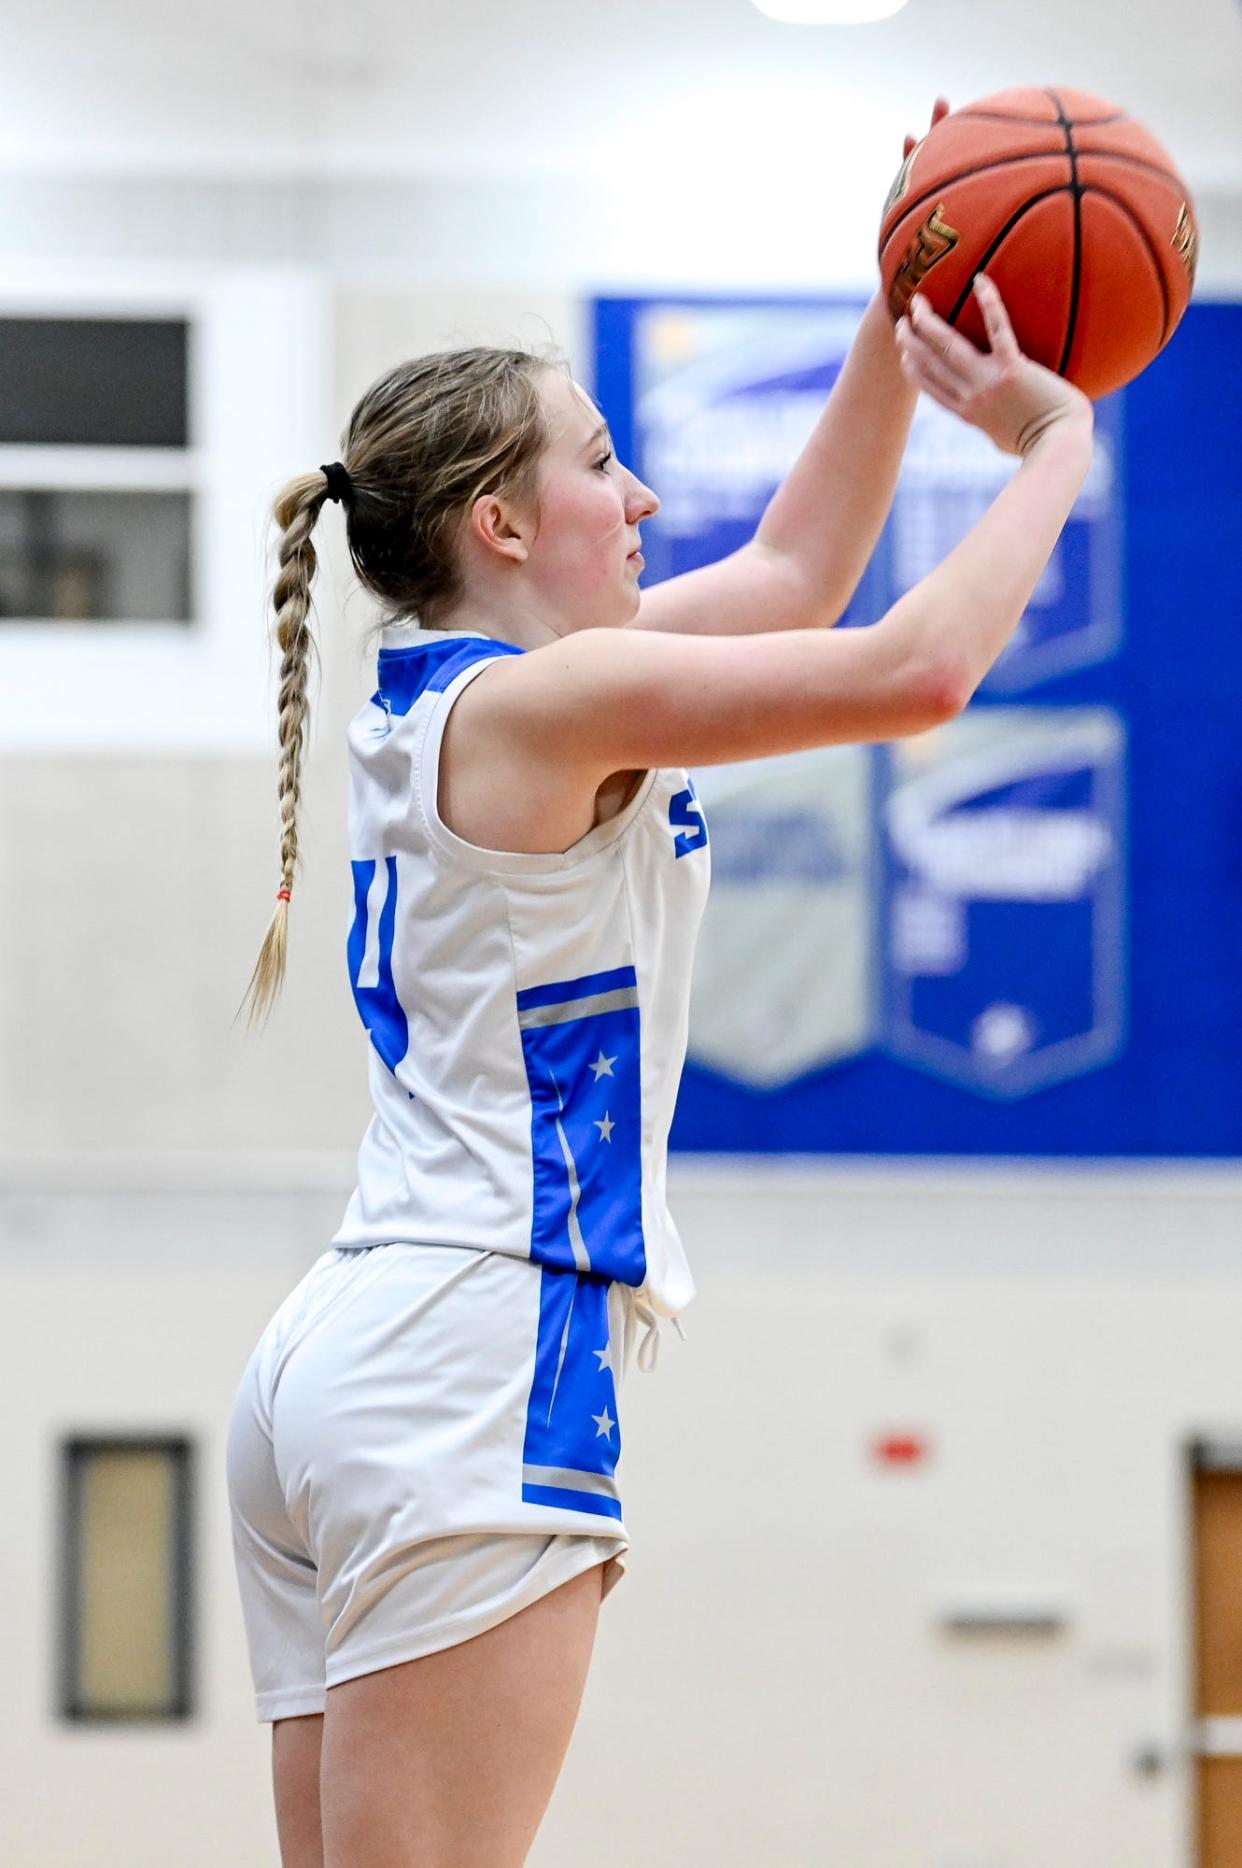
[604, 459]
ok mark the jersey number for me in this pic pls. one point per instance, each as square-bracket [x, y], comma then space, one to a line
[686, 809]
[370, 958]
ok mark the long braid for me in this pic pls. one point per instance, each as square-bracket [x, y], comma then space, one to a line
[296, 512]
[423, 443]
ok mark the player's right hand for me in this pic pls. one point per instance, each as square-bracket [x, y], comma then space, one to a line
[1011, 398]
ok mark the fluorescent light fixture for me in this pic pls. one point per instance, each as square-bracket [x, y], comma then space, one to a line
[829, 12]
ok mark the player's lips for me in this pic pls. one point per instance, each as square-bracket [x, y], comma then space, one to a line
[636, 557]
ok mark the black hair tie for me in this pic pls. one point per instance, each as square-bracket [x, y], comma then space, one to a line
[340, 486]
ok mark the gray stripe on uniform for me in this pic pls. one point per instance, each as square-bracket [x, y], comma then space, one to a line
[565, 1479]
[578, 1008]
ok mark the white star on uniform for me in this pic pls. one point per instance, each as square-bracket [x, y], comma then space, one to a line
[606, 1127]
[604, 1423]
[605, 1357]
[602, 1066]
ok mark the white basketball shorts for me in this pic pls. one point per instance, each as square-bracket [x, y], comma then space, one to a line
[423, 1442]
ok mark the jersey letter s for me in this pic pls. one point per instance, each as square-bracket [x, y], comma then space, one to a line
[686, 809]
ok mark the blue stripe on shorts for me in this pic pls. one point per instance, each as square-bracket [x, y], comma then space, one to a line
[573, 1439]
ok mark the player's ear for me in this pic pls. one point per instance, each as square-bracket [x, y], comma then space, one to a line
[497, 526]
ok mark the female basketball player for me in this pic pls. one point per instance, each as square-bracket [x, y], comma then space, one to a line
[422, 1455]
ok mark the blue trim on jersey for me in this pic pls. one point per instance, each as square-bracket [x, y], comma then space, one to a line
[468, 653]
[583, 988]
[584, 1076]
[571, 1416]
[428, 668]
[378, 1005]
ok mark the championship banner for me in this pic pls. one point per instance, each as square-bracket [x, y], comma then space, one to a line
[1015, 934]
[784, 978]
[1006, 897]
[719, 400]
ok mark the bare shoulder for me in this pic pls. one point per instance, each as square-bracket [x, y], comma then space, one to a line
[560, 703]
[512, 776]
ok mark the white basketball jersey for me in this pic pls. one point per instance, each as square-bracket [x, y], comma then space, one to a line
[527, 1013]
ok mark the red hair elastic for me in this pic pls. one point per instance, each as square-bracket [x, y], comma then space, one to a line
[282, 895]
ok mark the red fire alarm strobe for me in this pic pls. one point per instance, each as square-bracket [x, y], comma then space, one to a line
[901, 1449]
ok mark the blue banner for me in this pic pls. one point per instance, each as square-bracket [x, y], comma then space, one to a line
[949, 478]
[1006, 897]
[1015, 935]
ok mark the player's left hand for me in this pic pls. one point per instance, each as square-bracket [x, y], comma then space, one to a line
[940, 109]
[1012, 399]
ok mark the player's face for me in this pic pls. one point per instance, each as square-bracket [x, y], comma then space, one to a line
[585, 553]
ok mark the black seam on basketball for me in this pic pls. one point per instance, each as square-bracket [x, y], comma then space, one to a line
[1045, 123]
[1071, 322]
[1004, 234]
[1093, 188]
[1136, 162]
[964, 175]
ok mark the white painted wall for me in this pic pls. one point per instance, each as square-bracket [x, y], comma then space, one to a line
[813, 232]
[771, 1682]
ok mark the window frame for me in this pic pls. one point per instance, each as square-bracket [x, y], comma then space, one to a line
[258, 388]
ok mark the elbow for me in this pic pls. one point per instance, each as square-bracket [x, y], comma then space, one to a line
[950, 691]
[939, 690]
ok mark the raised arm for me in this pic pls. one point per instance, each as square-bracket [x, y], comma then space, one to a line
[608, 700]
[813, 542]
[559, 720]
[820, 527]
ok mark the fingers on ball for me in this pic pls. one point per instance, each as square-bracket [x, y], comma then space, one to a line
[942, 338]
[995, 317]
[924, 313]
[926, 364]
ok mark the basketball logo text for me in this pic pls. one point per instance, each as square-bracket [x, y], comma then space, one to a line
[901, 182]
[933, 240]
[1186, 240]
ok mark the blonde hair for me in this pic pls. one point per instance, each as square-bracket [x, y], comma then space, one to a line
[423, 443]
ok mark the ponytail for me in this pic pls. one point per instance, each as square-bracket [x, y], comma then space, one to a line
[296, 511]
[422, 444]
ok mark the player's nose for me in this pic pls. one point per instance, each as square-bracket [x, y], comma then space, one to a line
[640, 501]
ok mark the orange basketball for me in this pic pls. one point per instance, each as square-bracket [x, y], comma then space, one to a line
[1072, 208]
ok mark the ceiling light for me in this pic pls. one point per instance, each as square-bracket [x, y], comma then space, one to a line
[829, 12]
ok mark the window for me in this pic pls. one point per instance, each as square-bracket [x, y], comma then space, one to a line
[147, 417]
[127, 1600]
[87, 401]
[102, 382]
[69, 556]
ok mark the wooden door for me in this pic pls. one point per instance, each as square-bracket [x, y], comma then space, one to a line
[1217, 1730]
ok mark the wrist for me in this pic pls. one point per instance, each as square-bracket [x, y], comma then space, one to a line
[880, 325]
[1066, 429]
[876, 339]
